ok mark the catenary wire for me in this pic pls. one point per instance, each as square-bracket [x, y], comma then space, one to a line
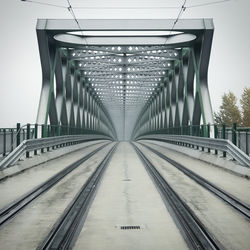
[47, 4]
[182, 9]
[117, 8]
[206, 4]
[70, 9]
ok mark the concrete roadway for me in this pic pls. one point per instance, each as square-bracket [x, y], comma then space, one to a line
[126, 197]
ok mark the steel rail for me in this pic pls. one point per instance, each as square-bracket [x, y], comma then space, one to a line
[16, 206]
[233, 201]
[67, 228]
[194, 232]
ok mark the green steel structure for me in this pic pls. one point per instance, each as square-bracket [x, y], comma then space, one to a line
[125, 78]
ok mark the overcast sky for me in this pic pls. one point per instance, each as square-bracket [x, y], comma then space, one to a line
[20, 70]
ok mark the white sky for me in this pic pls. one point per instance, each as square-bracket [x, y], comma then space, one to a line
[20, 70]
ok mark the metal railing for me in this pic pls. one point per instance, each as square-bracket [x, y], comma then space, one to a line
[35, 144]
[10, 138]
[223, 145]
[239, 136]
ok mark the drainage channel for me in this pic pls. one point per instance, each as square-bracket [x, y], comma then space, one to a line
[193, 231]
[66, 230]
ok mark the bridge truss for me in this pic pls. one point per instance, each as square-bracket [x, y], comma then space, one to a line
[124, 77]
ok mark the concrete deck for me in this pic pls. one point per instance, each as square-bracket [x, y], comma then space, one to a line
[126, 197]
[234, 184]
[229, 227]
[28, 229]
[13, 187]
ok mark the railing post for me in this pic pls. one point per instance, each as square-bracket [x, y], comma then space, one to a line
[4, 142]
[202, 134]
[247, 150]
[35, 136]
[27, 138]
[43, 136]
[48, 134]
[215, 136]
[18, 134]
[23, 133]
[12, 137]
[58, 130]
[190, 128]
[208, 135]
[57, 133]
[234, 134]
[224, 137]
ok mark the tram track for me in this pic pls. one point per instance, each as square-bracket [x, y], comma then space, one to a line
[234, 202]
[12, 209]
[68, 226]
[194, 232]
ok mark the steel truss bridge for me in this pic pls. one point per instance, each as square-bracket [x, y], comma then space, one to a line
[125, 77]
[124, 153]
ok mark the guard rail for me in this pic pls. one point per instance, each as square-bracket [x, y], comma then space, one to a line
[35, 144]
[210, 143]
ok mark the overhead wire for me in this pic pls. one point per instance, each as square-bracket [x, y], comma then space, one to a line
[71, 11]
[117, 8]
[182, 9]
[46, 4]
[206, 4]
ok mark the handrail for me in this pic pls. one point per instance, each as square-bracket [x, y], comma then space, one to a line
[217, 144]
[35, 144]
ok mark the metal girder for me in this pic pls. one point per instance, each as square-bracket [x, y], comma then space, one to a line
[59, 25]
[109, 76]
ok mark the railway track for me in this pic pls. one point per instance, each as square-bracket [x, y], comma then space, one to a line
[194, 232]
[233, 201]
[67, 228]
[19, 204]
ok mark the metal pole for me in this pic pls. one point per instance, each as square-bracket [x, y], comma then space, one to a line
[234, 135]
[224, 137]
[43, 135]
[35, 135]
[208, 134]
[18, 131]
[28, 137]
[202, 134]
[247, 141]
[12, 135]
[48, 134]
[4, 142]
[215, 136]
